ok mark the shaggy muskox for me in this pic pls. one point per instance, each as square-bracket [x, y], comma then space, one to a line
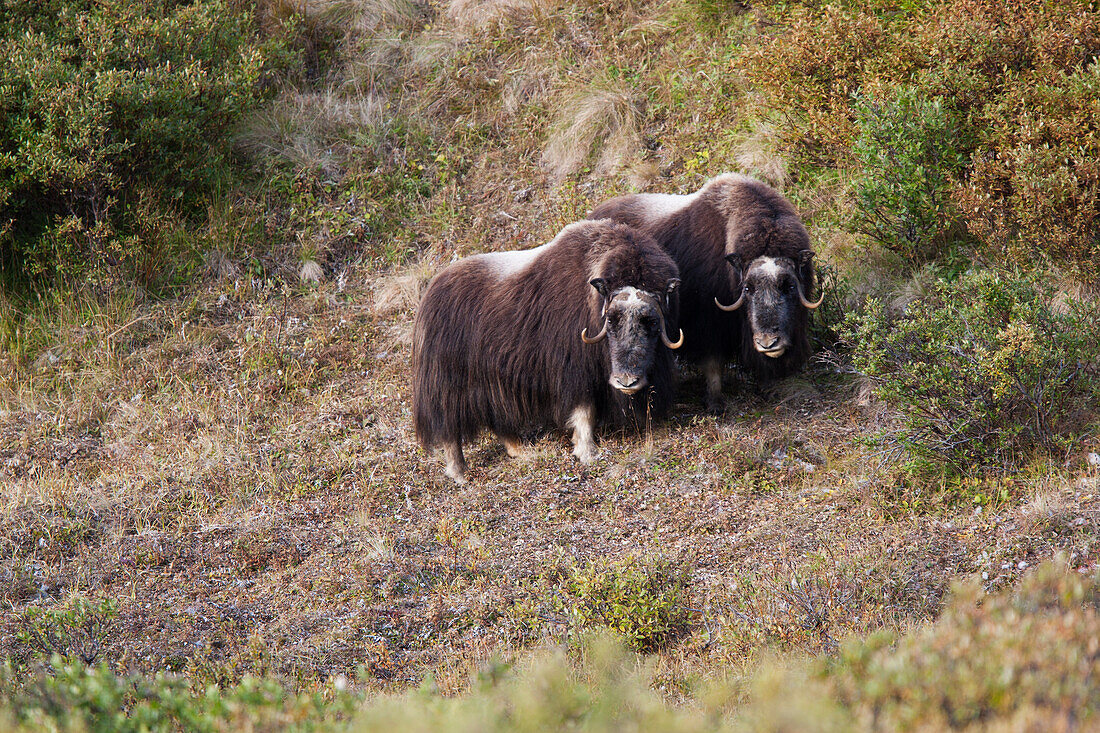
[747, 270]
[505, 341]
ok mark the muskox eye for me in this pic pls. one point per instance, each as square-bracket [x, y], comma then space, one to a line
[615, 319]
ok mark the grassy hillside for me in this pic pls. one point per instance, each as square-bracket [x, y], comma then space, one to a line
[213, 475]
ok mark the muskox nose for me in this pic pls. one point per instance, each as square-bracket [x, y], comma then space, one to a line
[628, 383]
[770, 345]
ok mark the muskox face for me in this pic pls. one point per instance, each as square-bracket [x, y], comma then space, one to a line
[773, 299]
[634, 326]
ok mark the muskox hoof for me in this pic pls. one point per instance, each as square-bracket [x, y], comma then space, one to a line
[586, 454]
[457, 474]
[456, 463]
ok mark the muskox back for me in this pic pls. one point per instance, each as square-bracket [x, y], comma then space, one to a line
[497, 340]
[716, 235]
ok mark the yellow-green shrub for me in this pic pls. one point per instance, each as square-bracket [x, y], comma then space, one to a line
[641, 601]
[983, 369]
[1028, 655]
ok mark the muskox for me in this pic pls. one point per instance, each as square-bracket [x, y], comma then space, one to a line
[747, 271]
[571, 333]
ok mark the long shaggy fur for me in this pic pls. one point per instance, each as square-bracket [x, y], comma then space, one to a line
[500, 349]
[730, 214]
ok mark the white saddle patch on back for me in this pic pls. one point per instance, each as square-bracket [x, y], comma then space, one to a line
[660, 205]
[506, 264]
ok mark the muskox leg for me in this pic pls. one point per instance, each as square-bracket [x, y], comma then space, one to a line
[583, 423]
[515, 448]
[456, 462]
[712, 370]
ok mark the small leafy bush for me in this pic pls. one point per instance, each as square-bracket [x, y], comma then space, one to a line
[114, 120]
[72, 696]
[983, 369]
[73, 630]
[642, 601]
[609, 691]
[907, 150]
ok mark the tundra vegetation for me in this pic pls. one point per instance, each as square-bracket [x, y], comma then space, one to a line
[217, 218]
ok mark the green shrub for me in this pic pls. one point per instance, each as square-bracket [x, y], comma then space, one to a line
[72, 631]
[609, 691]
[641, 601]
[113, 128]
[77, 697]
[907, 150]
[983, 368]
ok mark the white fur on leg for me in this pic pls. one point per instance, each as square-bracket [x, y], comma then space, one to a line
[583, 423]
[456, 463]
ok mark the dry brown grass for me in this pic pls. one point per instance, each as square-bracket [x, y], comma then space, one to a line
[239, 472]
[475, 15]
[600, 122]
[758, 156]
[401, 291]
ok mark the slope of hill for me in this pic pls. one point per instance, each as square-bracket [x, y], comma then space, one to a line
[224, 482]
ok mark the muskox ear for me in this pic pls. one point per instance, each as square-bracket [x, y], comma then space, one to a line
[670, 289]
[805, 261]
[735, 261]
[600, 284]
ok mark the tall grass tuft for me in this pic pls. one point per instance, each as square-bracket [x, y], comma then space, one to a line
[600, 123]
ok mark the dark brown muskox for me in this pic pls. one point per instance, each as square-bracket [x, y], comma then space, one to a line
[747, 269]
[568, 334]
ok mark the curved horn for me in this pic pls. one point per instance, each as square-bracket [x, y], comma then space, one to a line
[736, 304]
[664, 334]
[807, 304]
[595, 339]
